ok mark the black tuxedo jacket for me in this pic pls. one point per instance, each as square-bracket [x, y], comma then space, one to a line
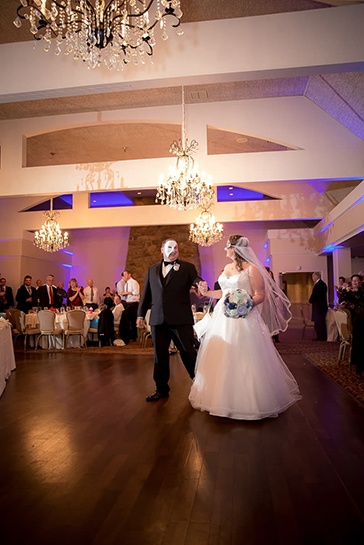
[318, 300]
[169, 297]
[21, 298]
[42, 296]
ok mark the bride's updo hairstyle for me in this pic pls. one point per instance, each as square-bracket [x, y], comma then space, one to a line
[238, 241]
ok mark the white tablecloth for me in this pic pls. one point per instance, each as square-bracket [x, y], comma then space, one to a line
[7, 359]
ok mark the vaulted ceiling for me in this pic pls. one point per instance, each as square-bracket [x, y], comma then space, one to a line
[339, 94]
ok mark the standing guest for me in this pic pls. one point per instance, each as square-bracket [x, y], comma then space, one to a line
[25, 295]
[167, 293]
[108, 298]
[120, 287]
[91, 294]
[38, 283]
[132, 296]
[61, 294]
[318, 300]
[239, 373]
[75, 295]
[197, 299]
[47, 294]
[341, 285]
[353, 300]
[6, 296]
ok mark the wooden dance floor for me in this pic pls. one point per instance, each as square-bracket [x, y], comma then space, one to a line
[86, 461]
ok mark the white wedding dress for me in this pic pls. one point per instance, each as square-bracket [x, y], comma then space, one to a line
[239, 373]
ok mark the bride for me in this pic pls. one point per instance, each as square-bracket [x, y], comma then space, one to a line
[239, 373]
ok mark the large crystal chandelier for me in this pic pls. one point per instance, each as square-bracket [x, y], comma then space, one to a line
[50, 237]
[205, 231]
[113, 32]
[185, 188]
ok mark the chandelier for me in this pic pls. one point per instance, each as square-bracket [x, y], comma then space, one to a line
[50, 237]
[205, 231]
[113, 32]
[185, 188]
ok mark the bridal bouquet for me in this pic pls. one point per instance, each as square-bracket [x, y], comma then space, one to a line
[237, 304]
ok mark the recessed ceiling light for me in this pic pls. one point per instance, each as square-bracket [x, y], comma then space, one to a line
[241, 139]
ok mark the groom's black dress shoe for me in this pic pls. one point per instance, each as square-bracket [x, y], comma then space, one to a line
[156, 396]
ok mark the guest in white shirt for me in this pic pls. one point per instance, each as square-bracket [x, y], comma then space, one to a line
[91, 294]
[132, 297]
[117, 311]
[120, 287]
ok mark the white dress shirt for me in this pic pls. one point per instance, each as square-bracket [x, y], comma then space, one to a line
[87, 293]
[133, 286]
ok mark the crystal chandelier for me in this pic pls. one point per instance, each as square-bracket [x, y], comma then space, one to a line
[50, 237]
[205, 231]
[185, 188]
[113, 32]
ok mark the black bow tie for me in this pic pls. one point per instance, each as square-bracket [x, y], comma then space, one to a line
[169, 263]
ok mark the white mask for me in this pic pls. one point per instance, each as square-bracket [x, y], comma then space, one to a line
[169, 248]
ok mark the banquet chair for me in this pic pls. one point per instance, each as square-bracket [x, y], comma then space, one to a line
[94, 330]
[16, 319]
[48, 328]
[30, 332]
[306, 323]
[344, 327]
[75, 326]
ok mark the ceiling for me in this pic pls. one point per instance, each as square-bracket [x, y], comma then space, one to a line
[151, 140]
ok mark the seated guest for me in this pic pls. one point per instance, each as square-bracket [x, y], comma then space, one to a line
[25, 295]
[75, 295]
[91, 294]
[108, 298]
[46, 295]
[61, 294]
[6, 296]
[117, 311]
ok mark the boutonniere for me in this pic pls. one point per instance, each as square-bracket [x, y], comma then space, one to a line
[176, 267]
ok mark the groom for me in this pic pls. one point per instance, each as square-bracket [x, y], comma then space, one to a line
[167, 293]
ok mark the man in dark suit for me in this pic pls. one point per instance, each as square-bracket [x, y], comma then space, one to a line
[25, 295]
[167, 293]
[6, 296]
[318, 301]
[47, 294]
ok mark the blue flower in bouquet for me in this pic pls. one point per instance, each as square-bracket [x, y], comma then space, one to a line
[237, 304]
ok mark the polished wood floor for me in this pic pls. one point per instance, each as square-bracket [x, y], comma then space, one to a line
[85, 460]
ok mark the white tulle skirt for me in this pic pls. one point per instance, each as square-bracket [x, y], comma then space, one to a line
[239, 373]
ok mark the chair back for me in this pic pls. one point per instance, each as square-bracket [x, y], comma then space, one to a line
[46, 321]
[146, 319]
[76, 320]
[343, 322]
[17, 319]
[305, 321]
